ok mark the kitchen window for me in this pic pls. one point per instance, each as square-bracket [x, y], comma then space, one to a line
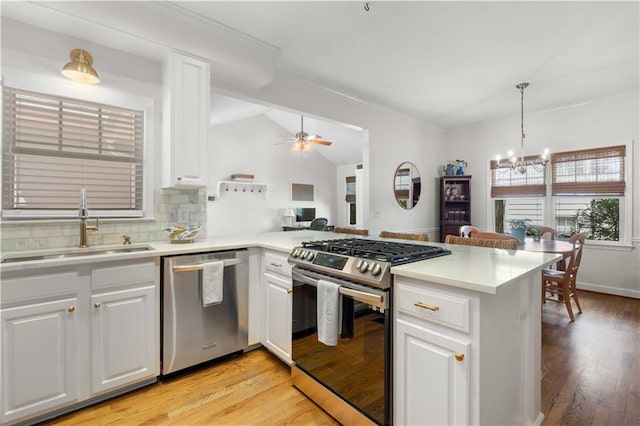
[54, 146]
[586, 191]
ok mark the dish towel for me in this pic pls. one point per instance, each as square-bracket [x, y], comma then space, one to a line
[328, 312]
[211, 281]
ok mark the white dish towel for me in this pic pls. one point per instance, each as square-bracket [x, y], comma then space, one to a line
[328, 299]
[212, 278]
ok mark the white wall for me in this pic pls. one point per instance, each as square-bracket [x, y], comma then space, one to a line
[610, 121]
[250, 146]
[390, 138]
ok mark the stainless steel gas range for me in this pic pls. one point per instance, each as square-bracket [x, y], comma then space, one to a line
[347, 370]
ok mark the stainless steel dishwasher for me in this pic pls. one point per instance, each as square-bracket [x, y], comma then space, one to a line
[191, 333]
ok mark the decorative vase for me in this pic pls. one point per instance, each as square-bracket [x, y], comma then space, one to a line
[449, 169]
[519, 233]
[461, 166]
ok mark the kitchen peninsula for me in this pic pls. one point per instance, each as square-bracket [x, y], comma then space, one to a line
[471, 357]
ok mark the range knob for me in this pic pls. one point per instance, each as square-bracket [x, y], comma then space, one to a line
[302, 254]
[295, 253]
[375, 269]
[362, 266]
[310, 255]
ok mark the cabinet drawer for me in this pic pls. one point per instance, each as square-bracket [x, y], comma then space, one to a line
[277, 263]
[39, 287]
[446, 309]
[123, 275]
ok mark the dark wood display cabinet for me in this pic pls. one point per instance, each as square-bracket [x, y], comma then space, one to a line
[455, 204]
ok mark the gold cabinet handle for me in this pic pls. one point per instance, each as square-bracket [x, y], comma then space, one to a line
[97, 305]
[428, 307]
[277, 265]
[71, 309]
[459, 357]
[289, 291]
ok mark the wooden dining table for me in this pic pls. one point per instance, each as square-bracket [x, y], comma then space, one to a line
[565, 248]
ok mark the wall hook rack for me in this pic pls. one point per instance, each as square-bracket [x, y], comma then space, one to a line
[261, 189]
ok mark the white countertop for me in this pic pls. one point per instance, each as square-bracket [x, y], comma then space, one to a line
[477, 268]
[473, 268]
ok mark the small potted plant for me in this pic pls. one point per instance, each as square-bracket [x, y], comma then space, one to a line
[518, 227]
[535, 232]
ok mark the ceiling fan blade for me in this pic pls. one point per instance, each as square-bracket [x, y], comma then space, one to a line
[314, 137]
[319, 142]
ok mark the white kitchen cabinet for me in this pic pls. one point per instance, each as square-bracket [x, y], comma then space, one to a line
[431, 364]
[432, 375]
[186, 85]
[278, 304]
[123, 338]
[72, 333]
[466, 357]
[39, 346]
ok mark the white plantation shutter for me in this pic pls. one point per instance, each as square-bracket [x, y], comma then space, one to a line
[54, 146]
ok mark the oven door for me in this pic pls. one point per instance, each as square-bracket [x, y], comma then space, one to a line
[358, 368]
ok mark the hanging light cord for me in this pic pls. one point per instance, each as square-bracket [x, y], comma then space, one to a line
[522, 86]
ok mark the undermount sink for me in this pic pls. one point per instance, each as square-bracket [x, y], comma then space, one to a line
[73, 252]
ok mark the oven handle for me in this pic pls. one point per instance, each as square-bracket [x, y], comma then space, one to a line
[198, 266]
[361, 296]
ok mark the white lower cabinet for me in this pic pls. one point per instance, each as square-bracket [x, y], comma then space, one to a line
[278, 316]
[73, 333]
[431, 385]
[466, 357]
[39, 346]
[123, 339]
[278, 298]
[432, 348]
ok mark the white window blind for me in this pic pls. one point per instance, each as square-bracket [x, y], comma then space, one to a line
[54, 146]
[525, 208]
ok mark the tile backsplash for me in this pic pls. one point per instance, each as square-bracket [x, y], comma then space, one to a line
[45, 234]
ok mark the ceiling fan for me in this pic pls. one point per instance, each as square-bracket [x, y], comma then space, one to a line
[303, 141]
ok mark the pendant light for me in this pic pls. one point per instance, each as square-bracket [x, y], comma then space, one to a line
[80, 69]
[520, 165]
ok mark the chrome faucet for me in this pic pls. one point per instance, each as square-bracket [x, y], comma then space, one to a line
[84, 216]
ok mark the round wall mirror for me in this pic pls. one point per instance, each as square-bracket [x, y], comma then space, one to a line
[406, 185]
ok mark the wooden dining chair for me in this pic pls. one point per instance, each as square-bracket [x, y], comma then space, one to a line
[352, 231]
[404, 236]
[508, 244]
[546, 232]
[562, 284]
[466, 230]
[494, 236]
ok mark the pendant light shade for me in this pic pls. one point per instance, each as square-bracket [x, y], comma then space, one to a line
[80, 69]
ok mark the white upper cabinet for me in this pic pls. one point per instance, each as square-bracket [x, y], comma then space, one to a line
[186, 85]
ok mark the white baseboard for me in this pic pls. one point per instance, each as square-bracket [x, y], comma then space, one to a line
[617, 291]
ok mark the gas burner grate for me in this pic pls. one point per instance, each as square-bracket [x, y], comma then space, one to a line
[385, 251]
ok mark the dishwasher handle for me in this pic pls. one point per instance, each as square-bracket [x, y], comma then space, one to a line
[198, 266]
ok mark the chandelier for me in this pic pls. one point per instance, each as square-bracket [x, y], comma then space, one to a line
[520, 165]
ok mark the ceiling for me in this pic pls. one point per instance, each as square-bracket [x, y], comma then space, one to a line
[346, 139]
[449, 63]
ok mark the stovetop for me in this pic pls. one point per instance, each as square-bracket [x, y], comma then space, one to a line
[384, 251]
[360, 260]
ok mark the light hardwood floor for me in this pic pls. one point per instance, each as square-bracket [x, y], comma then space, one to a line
[591, 376]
